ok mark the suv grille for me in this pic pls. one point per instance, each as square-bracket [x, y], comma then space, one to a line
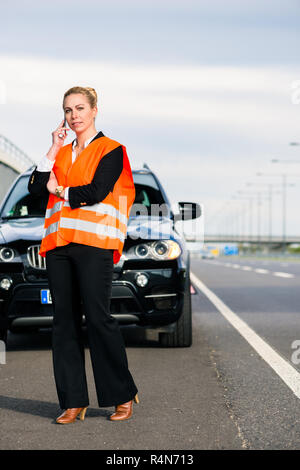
[35, 260]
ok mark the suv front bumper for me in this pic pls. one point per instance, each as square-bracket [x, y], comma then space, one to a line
[158, 306]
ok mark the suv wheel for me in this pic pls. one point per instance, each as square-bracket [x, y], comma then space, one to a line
[182, 336]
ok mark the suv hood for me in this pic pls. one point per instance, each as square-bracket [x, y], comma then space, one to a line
[145, 227]
[151, 228]
[21, 229]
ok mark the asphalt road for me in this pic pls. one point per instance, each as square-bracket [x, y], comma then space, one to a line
[266, 296]
[218, 394]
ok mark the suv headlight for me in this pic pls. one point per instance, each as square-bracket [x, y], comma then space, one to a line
[142, 251]
[159, 250]
[7, 254]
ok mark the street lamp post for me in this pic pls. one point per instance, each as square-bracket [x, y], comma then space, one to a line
[270, 187]
[258, 195]
[284, 212]
[251, 197]
[284, 196]
[295, 144]
[270, 197]
[276, 160]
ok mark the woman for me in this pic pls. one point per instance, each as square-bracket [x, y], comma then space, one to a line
[91, 193]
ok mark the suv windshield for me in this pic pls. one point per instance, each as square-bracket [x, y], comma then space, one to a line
[21, 204]
[147, 194]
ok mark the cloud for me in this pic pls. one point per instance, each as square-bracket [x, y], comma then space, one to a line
[203, 129]
[229, 96]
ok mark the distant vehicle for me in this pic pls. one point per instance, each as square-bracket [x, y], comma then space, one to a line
[194, 247]
[206, 254]
[151, 282]
[230, 250]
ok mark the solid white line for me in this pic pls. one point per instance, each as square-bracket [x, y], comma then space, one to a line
[279, 274]
[282, 368]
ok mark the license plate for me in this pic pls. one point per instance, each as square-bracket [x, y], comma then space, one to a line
[46, 296]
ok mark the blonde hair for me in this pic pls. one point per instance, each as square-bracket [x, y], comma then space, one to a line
[90, 93]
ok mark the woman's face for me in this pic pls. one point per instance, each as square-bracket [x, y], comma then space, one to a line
[79, 114]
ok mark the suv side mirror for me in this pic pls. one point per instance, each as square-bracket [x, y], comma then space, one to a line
[188, 210]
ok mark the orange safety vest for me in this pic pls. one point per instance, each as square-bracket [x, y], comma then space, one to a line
[102, 225]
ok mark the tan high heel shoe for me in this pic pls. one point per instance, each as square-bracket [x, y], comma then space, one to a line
[124, 411]
[71, 414]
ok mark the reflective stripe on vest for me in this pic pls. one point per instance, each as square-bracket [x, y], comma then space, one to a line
[91, 227]
[84, 225]
[105, 209]
[56, 208]
[50, 229]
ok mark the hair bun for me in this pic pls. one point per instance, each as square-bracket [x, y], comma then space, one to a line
[92, 91]
[89, 92]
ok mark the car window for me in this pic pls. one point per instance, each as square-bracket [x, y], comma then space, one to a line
[147, 193]
[21, 204]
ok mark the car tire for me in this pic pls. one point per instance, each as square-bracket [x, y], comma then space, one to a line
[182, 336]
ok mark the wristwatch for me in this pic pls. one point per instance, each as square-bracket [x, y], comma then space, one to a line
[59, 190]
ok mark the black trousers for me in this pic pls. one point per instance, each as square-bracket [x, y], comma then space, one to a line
[84, 273]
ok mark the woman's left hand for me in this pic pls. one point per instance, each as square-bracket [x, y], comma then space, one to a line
[52, 183]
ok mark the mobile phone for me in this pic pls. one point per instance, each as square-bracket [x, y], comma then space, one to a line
[64, 125]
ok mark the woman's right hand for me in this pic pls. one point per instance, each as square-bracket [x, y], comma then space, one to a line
[57, 142]
[59, 135]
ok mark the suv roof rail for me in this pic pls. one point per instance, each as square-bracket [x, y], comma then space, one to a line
[146, 166]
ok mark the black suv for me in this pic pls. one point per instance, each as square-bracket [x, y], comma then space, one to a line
[151, 282]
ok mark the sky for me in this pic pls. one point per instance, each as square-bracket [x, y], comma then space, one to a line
[206, 93]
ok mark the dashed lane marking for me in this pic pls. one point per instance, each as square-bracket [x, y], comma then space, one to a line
[287, 275]
[256, 270]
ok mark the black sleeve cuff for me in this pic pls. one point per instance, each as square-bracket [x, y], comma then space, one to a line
[37, 184]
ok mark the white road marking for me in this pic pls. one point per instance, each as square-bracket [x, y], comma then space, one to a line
[283, 369]
[257, 270]
[279, 274]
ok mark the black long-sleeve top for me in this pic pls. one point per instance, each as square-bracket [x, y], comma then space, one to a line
[106, 175]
